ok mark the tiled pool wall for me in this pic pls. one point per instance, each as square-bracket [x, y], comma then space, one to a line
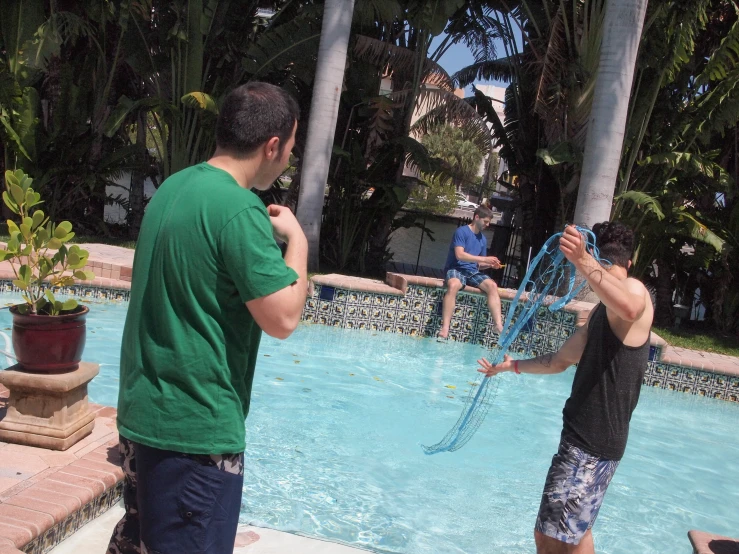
[78, 291]
[418, 313]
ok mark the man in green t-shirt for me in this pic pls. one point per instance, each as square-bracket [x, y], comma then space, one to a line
[208, 278]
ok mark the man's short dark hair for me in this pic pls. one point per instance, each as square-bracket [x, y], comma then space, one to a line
[482, 212]
[615, 242]
[252, 114]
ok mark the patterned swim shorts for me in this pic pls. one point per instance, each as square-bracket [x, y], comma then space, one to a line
[474, 278]
[573, 493]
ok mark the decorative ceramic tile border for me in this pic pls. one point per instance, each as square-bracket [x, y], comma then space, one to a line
[78, 291]
[56, 534]
[418, 313]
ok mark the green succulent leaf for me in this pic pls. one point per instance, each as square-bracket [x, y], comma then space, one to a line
[20, 284]
[50, 296]
[23, 309]
[74, 259]
[84, 275]
[12, 227]
[10, 203]
[25, 274]
[54, 243]
[26, 231]
[38, 218]
[63, 229]
[70, 304]
[10, 178]
[17, 194]
[5, 255]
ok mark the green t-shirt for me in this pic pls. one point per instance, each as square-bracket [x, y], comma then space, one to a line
[190, 344]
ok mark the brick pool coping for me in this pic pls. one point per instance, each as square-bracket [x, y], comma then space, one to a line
[46, 495]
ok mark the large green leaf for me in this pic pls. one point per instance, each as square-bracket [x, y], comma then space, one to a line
[699, 231]
[202, 101]
[644, 202]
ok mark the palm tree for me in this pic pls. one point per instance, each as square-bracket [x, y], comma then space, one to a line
[337, 20]
[623, 26]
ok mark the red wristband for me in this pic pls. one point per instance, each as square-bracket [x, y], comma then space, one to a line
[515, 367]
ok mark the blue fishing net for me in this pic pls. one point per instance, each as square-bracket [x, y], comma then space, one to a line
[549, 282]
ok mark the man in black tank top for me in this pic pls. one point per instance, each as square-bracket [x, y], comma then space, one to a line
[612, 351]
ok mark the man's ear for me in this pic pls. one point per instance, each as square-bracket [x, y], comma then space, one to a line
[272, 148]
[628, 265]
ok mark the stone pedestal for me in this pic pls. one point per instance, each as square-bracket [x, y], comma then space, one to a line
[48, 411]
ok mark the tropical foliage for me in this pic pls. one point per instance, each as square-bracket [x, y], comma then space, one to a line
[95, 96]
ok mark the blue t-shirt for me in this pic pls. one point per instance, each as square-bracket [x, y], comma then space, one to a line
[477, 245]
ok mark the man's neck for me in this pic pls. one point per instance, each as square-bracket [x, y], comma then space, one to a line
[242, 170]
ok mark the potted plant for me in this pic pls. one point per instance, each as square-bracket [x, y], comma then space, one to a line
[48, 334]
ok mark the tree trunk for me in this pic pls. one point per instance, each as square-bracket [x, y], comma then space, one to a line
[337, 19]
[138, 179]
[622, 32]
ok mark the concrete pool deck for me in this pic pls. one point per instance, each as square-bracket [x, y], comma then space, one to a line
[69, 501]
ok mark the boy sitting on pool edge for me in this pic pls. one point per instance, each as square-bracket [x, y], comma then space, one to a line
[463, 264]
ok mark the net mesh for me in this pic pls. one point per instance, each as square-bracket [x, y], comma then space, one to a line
[549, 282]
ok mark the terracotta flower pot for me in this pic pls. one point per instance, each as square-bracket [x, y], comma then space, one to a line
[49, 343]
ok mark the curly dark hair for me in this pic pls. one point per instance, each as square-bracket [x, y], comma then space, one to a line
[615, 241]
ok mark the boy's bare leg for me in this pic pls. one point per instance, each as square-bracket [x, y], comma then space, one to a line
[489, 287]
[548, 545]
[447, 305]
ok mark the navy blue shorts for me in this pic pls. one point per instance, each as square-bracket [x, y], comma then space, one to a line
[474, 278]
[178, 503]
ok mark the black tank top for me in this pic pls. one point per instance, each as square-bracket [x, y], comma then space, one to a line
[605, 391]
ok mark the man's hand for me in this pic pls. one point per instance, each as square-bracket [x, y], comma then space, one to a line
[490, 261]
[489, 369]
[572, 245]
[284, 223]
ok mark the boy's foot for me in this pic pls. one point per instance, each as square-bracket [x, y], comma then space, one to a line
[442, 336]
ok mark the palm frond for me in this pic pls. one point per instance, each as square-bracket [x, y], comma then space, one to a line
[418, 159]
[442, 107]
[369, 13]
[548, 100]
[724, 59]
[283, 46]
[500, 70]
[484, 106]
[398, 59]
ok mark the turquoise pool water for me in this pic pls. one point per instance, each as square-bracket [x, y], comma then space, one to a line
[338, 417]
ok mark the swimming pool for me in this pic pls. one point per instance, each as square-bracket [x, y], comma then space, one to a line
[338, 417]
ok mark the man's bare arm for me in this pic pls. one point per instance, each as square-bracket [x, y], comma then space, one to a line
[278, 314]
[462, 256]
[625, 298]
[553, 362]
